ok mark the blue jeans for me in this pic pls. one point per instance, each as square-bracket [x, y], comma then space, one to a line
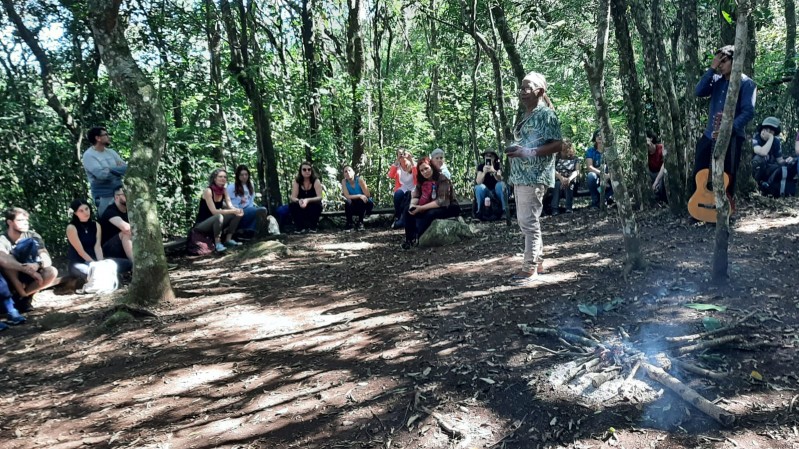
[248, 221]
[556, 195]
[593, 187]
[401, 201]
[481, 192]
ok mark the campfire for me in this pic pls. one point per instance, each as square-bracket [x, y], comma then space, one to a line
[602, 370]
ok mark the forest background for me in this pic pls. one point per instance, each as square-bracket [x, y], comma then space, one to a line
[272, 83]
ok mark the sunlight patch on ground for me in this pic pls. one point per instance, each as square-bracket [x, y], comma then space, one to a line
[759, 224]
[347, 246]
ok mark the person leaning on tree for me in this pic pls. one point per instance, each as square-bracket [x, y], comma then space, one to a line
[714, 84]
[104, 168]
[537, 137]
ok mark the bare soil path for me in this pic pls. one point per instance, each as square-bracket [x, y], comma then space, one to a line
[350, 342]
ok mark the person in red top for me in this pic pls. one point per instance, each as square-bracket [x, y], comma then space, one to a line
[656, 163]
[403, 172]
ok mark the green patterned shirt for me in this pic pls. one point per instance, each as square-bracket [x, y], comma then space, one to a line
[541, 127]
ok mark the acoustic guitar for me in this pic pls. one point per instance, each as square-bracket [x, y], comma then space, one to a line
[702, 204]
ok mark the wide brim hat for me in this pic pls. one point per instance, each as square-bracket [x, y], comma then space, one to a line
[492, 153]
[771, 122]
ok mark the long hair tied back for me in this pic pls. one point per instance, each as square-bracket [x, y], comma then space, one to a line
[537, 81]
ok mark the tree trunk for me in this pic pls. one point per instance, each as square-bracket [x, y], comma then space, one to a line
[594, 68]
[726, 27]
[355, 69]
[379, 26]
[660, 83]
[720, 258]
[692, 122]
[790, 36]
[638, 181]
[474, 105]
[216, 117]
[150, 277]
[312, 73]
[509, 42]
[433, 100]
[240, 68]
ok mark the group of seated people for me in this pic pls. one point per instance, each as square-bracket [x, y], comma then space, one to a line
[774, 172]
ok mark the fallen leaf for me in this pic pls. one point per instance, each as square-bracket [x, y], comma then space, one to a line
[588, 310]
[755, 375]
[700, 306]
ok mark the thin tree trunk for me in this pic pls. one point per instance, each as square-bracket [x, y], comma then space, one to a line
[216, 117]
[474, 105]
[720, 257]
[240, 68]
[790, 36]
[355, 69]
[638, 181]
[509, 42]
[692, 122]
[594, 66]
[433, 94]
[150, 283]
[312, 73]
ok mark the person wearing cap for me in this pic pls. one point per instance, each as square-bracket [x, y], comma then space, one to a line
[597, 173]
[489, 179]
[437, 158]
[714, 84]
[566, 172]
[537, 137]
[767, 146]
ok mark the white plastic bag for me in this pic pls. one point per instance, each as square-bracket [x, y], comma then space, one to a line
[102, 277]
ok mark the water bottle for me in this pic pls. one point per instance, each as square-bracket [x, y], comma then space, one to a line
[433, 194]
[487, 202]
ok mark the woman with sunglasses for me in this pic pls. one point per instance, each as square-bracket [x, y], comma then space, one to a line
[432, 198]
[216, 215]
[306, 199]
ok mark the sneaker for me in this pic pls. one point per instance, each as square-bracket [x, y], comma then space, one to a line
[16, 319]
[569, 211]
[220, 248]
[406, 244]
[348, 227]
[24, 305]
[312, 230]
[555, 213]
[3, 326]
[359, 226]
[232, 242]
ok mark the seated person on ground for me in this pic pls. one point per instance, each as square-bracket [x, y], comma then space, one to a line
[566, 172]
[656, 163]
[242, 196]
[7, 306]
[403, 172]
[117, 239]
[27, 247]
[437, 159]
[306, 199]
[489, 179]
[432, 198]
[767, 160]
[84, 236]
[216, 215]
[357, 199]
[597, 172]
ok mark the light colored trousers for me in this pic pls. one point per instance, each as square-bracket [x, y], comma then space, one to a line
[529, 204]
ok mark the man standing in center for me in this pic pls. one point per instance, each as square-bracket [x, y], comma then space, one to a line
[103, 167]
[537, 138]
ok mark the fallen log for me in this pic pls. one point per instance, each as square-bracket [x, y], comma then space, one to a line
[600, 378]
[689, 395]
[691, 368]
[583, 368]
[708, 344]
[688, 338]
[568, 336]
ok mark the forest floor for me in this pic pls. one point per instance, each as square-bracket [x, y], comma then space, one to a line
[350, 342]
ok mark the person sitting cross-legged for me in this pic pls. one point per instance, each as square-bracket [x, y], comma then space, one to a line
[566, 172]
[489, 179]
[357, 199]
[242, 196]
[432, 198]
[216, 215]
[27, 247]
[6, 298]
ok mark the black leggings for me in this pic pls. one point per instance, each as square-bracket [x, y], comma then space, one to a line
[306, 218]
